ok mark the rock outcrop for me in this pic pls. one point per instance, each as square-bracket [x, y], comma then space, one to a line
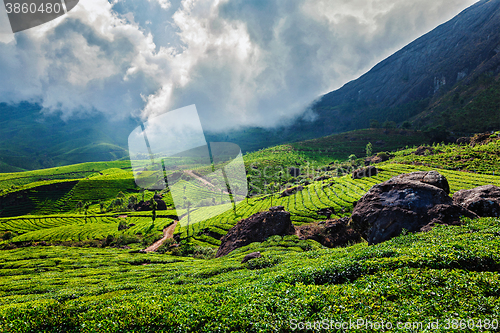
[482, 200]
[369, 171]
[415, 202]
[428, 177]
[461, 49]
[333, 233]
[251, 256]
[326, 212]
[257, 228]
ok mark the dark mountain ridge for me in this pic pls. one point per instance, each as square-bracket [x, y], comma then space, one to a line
[461, 49]
[403, 85]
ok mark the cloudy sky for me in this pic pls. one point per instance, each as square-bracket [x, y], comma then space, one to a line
[242, 62]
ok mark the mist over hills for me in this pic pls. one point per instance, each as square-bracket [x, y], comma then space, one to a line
[448, 77]
[31, 140]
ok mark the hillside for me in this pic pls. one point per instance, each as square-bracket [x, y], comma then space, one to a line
[448, 275]
[91, 277]
[455, 55]
[30, 140]
[447, 79]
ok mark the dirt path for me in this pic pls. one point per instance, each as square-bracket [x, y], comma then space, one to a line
[167, 233]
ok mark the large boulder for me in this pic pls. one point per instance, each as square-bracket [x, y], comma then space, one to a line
[332, 233]
[257, 228]
[365, 172]
[428, 177]
[415, 202]
[482, 200]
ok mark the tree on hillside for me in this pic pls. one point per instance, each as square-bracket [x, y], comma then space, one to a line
[389, 124]
[79, 206]
[154, 206]
[86, 208]
[101, 206]
[374, 123]
[369, 149]
[352, 159]
[118, 202]
[406, 124]
[235, 190]
[189, 211]
[132, 201]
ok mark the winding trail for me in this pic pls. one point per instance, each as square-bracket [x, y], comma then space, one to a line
[168, 232]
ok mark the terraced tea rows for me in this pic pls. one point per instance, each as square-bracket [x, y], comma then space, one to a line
[77, 228]
[337, 193]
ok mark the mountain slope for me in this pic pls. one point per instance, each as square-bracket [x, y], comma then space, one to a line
[459, 51]
[449, 77]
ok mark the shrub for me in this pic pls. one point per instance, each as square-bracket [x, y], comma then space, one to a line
[263, 262]
[383, 155]
[125, 239]
[8, 235]
[122, 226]
[165, 247]
[196, 251]
[406, 125]
[374, 123]
[109, 240]
[204, 252]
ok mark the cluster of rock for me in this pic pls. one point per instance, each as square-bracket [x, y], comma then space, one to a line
[369, 171]
[415, 202]
[143, 206]
[482, 200]
[332, 233]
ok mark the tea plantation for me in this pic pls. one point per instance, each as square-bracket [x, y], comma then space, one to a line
[448, 275]
[70, 259]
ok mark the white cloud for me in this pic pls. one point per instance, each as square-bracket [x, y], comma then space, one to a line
[165, 4]
[240, 62]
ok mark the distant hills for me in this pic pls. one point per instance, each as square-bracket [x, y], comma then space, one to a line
[30, 140]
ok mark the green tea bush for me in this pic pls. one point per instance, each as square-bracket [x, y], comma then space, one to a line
[195, 251]
[8, 235]
[263, 262]
[165, 247]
